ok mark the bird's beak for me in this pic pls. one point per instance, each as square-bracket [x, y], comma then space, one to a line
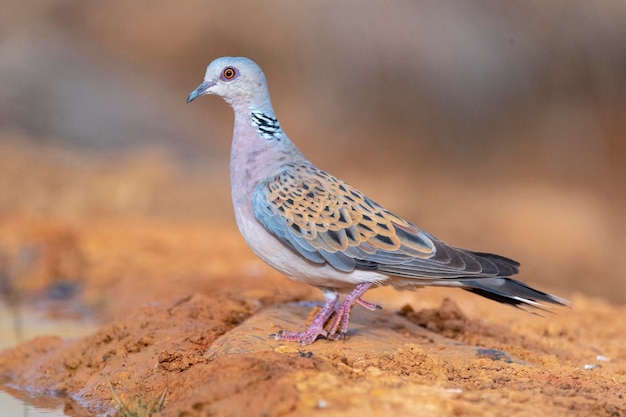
[200, 91]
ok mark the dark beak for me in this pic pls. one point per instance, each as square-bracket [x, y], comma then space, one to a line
[200, 91]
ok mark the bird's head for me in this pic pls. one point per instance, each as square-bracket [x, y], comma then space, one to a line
[237, 80]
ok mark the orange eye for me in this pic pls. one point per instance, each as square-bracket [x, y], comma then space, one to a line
[228, 73]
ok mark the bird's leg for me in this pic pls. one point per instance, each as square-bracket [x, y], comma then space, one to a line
[342, 315]
[316, 328]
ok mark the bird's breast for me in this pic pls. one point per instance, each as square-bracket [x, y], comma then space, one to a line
[282, 258]
[254, 160]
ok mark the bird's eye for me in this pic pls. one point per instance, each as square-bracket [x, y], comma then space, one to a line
[229, 73]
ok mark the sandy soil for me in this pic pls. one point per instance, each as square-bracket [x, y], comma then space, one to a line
[191, 315]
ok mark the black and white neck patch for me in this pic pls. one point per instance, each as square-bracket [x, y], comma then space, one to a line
[267, 126]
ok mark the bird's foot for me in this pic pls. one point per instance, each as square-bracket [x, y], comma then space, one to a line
[316, 328]
[307, 337]
[340, 318]
[339, 326]
[367, 305]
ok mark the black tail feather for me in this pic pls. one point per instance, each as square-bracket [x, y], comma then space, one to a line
[512, 292]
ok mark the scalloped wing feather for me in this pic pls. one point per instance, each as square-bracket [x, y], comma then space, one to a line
[328, 221]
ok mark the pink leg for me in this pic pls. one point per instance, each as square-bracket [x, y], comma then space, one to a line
[316, 328]
[342, 315]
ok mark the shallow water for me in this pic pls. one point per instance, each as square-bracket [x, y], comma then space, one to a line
[11, 406]
[23, 324]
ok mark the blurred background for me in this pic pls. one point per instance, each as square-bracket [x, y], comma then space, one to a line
[496, 126]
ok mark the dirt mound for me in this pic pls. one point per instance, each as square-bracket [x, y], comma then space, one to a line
[201, 339]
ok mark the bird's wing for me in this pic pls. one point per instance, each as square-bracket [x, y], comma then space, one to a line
[327, 221]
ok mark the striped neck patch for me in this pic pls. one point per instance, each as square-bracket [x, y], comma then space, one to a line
[267, 126]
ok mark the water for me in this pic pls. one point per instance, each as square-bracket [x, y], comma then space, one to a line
[13, 407]
[32, 323]
[24, 324]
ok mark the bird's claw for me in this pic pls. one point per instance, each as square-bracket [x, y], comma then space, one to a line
[338, 326]
[304, 338]
[337, 336]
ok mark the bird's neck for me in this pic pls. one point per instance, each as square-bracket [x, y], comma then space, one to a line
[266, 124]
[260, 149]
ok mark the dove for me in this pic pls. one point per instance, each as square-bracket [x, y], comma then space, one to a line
[315, 228]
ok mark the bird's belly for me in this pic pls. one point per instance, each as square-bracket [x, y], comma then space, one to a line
[282, 258]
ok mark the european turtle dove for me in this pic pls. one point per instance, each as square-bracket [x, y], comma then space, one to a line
[313, 227]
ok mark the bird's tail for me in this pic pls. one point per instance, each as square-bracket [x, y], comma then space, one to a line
[512, 292]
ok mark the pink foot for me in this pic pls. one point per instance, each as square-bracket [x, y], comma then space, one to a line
[339, 325]
[369, 306]
[316, 328]
[342, 315]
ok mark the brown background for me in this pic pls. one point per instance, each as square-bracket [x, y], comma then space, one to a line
[499, 127]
